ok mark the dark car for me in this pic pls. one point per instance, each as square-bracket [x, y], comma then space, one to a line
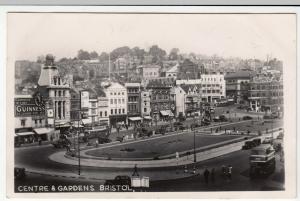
[247, 118]
[19, 173]
[102, 140]
[257, 141]
[120, 138]
[119, 180]
[205, 122]
[61, 143]
[248, 145]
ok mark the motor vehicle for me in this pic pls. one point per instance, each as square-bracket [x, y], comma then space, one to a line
[262, 160]
[120, 138]
[119, 180]
[247, 118]
[220, 118]
[257, 141]
[280, 136]
[102, 140]
[19, 173]
[268, 140]
[205, 122]
[248, 145]
[61, 143]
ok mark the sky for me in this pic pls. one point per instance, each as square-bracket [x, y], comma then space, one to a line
[227, 35]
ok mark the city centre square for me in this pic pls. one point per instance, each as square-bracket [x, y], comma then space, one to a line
[147, 117]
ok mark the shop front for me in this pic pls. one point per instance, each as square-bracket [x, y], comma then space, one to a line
[134, 121]
[118, 120]
[44, 133]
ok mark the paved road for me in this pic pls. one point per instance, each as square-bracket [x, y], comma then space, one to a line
[240, 179]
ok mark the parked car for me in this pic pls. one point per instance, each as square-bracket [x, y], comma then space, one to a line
[119, 180]
[102, 140]
[257, 141]
[248, 145]
[268, 140]
[19, 173]
[220, 118]
[247, 118]
[120, 138]
[61, 143]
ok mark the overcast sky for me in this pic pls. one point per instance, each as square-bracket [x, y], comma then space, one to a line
[237, 35]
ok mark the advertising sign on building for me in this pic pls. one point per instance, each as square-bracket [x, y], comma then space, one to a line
[84, 99]
[28, 107]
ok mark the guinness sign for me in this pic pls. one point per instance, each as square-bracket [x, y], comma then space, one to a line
[27, 107]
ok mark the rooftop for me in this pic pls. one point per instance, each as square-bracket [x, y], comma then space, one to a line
[240, 74]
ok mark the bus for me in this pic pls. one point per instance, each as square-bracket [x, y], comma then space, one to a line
[262, 160]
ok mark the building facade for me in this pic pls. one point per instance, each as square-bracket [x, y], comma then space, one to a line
[56, 90]
[117, 103]
[179, 96]
[237, 86]
[266, 95]
[148, 71]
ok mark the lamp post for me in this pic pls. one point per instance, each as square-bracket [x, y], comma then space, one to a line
[195, 158]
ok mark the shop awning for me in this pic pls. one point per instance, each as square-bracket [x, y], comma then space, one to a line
[25, 133]
[60, 125]
[135, 118]
[164, 113]
[147, 117]
[41, 131]
[75, 124]
[170, 113]
[86, 121]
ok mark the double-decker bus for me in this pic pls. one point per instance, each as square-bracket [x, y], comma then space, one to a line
[262, 160]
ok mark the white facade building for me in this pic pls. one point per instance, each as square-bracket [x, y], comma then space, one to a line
[117, 102]
[179, 96]
[213, 86]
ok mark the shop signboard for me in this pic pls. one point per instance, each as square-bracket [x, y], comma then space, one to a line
[28, 107]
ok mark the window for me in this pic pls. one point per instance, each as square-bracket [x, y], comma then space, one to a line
[35, 121]
[115, 93]
[23, 122]
[101, 114]
[119, 101]
[40, 121]
[145, 109]
[119, 93]
[105, 113]
[55, 93]
[123, 111]
[122, 93]
[116, 111]
[111, 93]
[59, 93]
[123, 100]
[115, 101]
[111, 101]
[119, 111]
[93, 111]
[112, 111]
[64, 93]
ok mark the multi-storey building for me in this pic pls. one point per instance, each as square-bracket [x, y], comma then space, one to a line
[179, 96]
[192, 99]
[117, 103]
[162, 105]
[212, 86]
[266, 94]
[148, 71]
[145, 105]
[56, 90]
[237, 85]
[133, 102]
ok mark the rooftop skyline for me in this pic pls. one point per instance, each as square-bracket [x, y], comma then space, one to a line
[227, 35]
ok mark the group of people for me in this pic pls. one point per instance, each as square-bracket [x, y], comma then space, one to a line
[210, 175]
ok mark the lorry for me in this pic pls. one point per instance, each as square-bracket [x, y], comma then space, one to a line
[262, 160]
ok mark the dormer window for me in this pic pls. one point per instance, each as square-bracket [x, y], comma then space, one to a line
[54, 79]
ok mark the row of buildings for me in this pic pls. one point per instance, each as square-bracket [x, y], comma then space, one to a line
[57, 103]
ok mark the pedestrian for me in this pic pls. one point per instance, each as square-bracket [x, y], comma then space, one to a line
[206, 175]
[185, 169]
[40, 141]
[229, 172]
[213, 175]
[223, 170]
[135, 172]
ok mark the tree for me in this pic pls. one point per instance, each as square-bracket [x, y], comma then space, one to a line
[174, 54]
[83, 55]
[40, 59]
[139, 53]
[94, 55]
[103, 56]
[121, 51]
[157, 53]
